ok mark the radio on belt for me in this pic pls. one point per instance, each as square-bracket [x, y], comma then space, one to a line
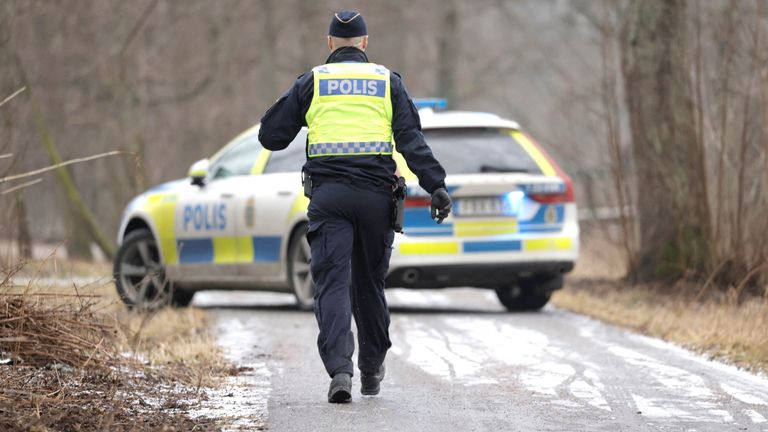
[306, 181]
[398, 204]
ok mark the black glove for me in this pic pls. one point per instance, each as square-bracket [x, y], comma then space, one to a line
[441, 205]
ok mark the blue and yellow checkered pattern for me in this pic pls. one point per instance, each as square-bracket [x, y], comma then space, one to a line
[349, 148]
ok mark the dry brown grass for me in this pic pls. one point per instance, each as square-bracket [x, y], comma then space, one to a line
[732, 332]
[176, 342]
[81, 361]
[718, 326]
[161, 338]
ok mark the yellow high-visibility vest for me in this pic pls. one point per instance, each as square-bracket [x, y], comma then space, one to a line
[351, 111]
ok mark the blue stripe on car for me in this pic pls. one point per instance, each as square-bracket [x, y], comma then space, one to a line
[492, 246]
[266, 248]
[195, 251]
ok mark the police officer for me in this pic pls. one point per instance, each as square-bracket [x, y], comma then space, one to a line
[355, 111]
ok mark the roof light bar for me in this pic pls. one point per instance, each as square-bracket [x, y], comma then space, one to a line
[436, 104]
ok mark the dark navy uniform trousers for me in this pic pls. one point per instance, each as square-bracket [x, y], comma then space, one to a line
[351, 241]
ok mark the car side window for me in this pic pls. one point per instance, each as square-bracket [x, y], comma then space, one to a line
[290, 159]
[239, 159]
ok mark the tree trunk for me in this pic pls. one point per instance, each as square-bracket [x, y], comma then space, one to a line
[269, 54]
[448, 46]
[672, 209]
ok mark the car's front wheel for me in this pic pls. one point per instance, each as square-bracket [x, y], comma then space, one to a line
[298, 269]
[140, 275]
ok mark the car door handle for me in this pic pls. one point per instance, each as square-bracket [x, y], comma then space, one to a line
[283, 193]
[227, 195]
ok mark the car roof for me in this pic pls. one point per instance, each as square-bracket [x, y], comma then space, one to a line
[463, 119]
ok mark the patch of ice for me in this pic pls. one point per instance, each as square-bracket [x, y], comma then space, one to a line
[545, 377]
[675, 379]
[565, 403]
[241, 403]
[405, 297]
[591, 394]
[757, 379]
[441, 355]
[755, 416]
[742, 395]
[659, 408]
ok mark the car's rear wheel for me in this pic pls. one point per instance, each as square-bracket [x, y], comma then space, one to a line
[298, 269]
[140, 275]
[530, 294]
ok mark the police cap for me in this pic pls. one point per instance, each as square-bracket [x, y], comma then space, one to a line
[347, 24]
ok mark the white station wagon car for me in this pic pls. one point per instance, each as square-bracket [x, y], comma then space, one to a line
[238, 222]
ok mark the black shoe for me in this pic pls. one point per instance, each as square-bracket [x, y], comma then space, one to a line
[341, 388]
[370, 383]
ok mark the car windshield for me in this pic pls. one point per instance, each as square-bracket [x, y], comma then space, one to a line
[290, 159]
[479, 150]
[237, 158]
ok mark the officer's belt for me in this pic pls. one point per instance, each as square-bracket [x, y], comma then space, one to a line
[381, 186]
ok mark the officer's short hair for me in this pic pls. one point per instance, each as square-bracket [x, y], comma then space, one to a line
[356, 42]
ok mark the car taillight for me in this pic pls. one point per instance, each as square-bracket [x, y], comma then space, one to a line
[418, 202]
[564, 197]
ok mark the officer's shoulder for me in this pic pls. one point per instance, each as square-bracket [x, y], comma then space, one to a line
[395, 78]
[304, 78]
[396, 81]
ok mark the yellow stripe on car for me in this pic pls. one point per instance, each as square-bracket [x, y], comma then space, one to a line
[161, 209]
[429, 248]
[229, 250]
[402, 166]
[557, 243]
[541, 161]
[300, 204]
[261, 162]
[484, 228]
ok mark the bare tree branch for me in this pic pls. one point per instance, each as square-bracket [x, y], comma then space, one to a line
[13, 95]
[62, 164]
[21, 186]
[137, 27]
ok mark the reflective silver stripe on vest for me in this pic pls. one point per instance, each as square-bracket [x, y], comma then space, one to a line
[350, 148]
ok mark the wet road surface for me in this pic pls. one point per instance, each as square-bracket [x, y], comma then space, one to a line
[460, 363]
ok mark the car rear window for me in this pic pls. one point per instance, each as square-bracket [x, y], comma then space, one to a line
[479, 150]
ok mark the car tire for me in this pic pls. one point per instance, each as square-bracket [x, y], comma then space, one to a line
[181, 297]
[530, 294]
[140, 275]
[299, 273]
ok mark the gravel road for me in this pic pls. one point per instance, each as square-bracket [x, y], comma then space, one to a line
[460, 363]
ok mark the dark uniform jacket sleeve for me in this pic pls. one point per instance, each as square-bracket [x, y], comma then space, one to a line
[410, 142]
[286, 117]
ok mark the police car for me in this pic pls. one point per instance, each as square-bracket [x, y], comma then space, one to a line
[238, 221]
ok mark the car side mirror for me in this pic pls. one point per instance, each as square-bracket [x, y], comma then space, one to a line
[198, 172]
